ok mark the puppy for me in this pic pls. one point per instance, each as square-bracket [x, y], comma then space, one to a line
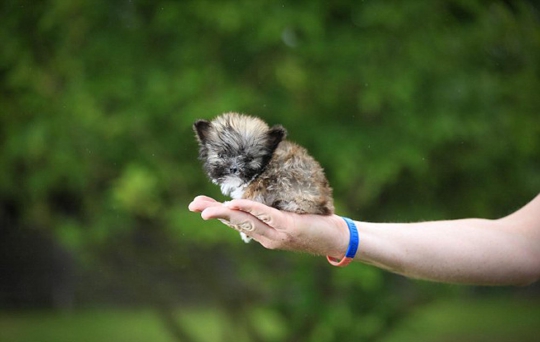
[248, 159]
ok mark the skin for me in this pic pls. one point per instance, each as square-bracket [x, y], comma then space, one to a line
[505, 251]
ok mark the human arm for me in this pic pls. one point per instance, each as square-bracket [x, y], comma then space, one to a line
[470, 251]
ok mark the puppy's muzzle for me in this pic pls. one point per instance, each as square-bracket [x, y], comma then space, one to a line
[235, 167]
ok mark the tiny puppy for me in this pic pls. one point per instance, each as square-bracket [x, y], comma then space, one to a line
[248, 159]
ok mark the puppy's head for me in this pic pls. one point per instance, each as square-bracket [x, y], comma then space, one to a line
[235, 147]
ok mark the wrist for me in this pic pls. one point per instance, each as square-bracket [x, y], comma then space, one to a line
[340, 237]
[352, 247]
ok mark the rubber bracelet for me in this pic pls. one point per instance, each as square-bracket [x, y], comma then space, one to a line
[351, 250]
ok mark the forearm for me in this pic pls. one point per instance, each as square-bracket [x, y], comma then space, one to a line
[471, 251]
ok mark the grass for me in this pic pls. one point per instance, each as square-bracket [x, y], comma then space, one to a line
[464, 321]
[139, 325]
[82, 326]
[472, 321]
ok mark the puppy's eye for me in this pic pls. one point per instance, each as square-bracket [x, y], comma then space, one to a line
[248, 159]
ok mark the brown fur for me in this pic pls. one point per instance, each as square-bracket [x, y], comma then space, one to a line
[293, 181]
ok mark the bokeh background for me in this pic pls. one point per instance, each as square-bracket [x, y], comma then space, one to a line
[418, 110]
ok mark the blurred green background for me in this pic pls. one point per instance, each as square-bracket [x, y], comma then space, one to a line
[418, 110]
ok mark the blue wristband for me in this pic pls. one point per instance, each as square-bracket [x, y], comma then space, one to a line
[351, 250]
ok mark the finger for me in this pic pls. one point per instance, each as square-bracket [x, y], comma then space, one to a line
[245, 226]
[239, 220]
[200, 203]
[270, 216]
[204, 198]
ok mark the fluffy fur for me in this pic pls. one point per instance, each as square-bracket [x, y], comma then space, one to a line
[249, 159]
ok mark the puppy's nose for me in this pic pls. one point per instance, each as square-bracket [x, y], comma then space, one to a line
[233, 169]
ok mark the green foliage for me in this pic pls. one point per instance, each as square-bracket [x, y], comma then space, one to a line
[417, 110]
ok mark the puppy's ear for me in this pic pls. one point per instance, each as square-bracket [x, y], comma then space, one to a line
[202, 128]
[275, 135]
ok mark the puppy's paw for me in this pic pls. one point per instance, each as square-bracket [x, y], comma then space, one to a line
[245, 238]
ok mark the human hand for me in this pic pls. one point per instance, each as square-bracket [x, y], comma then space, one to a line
[275, 229]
